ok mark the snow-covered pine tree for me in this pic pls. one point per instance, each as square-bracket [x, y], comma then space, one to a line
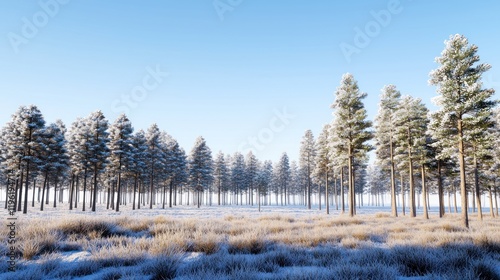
[323, 165]
[351, 127]
[444, 150]
[11, 153]
[221, 175]
[251, 167]
[283, 178]
[167, 160]
[200, 167]
[138, 164]
[154, 158]
[411, 122]
[178, 166]
[461, 98]
[238, 175]
[263, 180]
[98, 148]
[338, 160]
[384, 136]
[55, 160]
[306, 162]
[121, 151]
[28, 125]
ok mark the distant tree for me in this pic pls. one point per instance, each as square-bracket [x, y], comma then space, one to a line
[121, 156]
[283, 177]
[411, 122]
[98, 148]
[323, 165]
[54, 157]
[78, 147]
[138, 164]
[154, 158]
[251, 168]
[221, 175]
[238, 174]
[178, 166]
[263, 180]
[351, 127]
[200, 167]
[307, 157]
[25, 140]
[462, 100]
[385, 130]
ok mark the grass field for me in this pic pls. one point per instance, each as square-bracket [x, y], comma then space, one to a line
[244, 244]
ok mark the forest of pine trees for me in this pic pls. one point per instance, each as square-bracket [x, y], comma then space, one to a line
[455, 149]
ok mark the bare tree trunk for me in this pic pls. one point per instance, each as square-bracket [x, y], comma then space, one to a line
[424, 193]
[491, 203]
[463, 187]
[440, 189]
[478, 191]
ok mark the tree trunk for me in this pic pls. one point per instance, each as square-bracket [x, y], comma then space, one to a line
[478, 191]
[342, 200]
[119, 187]
[393, 181]
[55, 191]
[491, 202]
[327, 204]
[45, 182]
[403, 194]
[84, 188]
[463, 186]
[33, 198]
[440, 189]
[424, 193]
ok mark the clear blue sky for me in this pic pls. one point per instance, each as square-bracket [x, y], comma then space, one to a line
[228, 71]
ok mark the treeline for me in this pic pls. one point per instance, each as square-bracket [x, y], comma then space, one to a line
[98, 162]
[454, 148]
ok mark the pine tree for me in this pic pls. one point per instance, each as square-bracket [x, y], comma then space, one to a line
[28, 125]
[411, 122]
[307, 157]
[155, 155]
[263, 180]
[200, 167]
[251, 168]
[98, 148]
[221, 175]
[178, 166]
[283, 177]
[138, 164]
[121, 148]
[351, 128]
[384, 136]
[443, 149]
[323, 165]
[238, 174]
[54, 157]
[461, 98]
[79, 157]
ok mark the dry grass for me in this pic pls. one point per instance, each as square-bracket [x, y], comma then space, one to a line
[130, 241]
[249, 234]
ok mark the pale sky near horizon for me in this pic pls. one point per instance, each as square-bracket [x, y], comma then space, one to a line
[262, 70]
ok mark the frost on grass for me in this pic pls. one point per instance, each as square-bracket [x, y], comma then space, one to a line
[246, 245]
